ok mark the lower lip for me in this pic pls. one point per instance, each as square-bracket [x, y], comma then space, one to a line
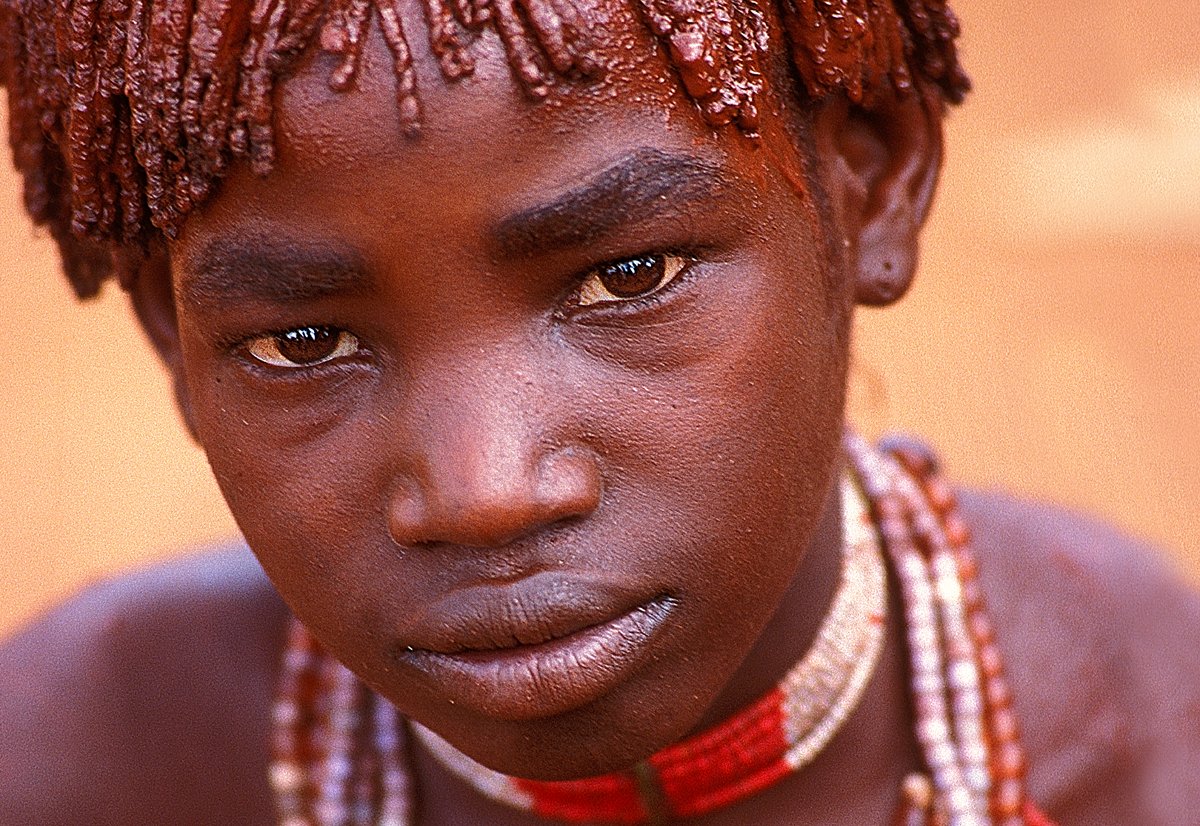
[528, 682]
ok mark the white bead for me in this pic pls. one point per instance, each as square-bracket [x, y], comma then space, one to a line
[285, 776]
[963, 675]
[978, 777]
[930, 730]
[927, 682]
[959, 799]
[941, 754]
[927, 661]
[949, 590]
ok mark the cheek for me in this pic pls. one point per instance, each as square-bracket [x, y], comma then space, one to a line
[720, 465]
[299, 474]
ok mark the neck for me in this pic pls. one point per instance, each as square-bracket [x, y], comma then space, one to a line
[855, 779]
[864, 764]
[791, 630]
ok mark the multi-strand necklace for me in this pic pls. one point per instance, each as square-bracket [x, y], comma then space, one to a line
[340, 752]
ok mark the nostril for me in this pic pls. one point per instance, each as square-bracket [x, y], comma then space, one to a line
[407, 516]
[569, 484]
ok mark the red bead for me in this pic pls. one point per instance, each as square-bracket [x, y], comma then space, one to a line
[1004, 726]
[957, 532]
[980, 626]
[997, 694]
[1008, 762]
[990, 662]
[1008, 798]
[1034, 816]
[968, 568]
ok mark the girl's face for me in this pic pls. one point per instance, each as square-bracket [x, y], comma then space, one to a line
[530, 420]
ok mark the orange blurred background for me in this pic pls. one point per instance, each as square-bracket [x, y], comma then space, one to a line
[1050, 347]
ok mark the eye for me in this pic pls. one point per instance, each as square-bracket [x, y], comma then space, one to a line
[629, 279]
[303, 346]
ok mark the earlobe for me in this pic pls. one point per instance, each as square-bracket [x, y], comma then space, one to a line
[881, 181]
[153, 297]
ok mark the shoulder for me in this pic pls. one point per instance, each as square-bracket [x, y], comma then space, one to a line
[115, 706]
[1099, 634]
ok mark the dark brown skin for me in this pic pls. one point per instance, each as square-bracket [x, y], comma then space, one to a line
[488, 427]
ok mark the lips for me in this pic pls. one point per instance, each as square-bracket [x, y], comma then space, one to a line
[541, 646]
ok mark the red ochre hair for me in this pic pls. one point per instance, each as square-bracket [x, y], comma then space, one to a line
[125, 114]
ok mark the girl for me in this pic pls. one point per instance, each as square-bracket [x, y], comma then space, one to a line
[516, 336]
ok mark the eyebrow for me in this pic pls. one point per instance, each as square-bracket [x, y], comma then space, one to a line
[645, 183]
[271, 270]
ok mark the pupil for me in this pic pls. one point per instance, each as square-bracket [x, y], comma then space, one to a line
[306, 345]
[633, 277]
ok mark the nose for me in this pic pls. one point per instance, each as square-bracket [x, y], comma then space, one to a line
[486, 490]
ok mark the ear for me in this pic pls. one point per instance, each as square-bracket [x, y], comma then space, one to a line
[153, 297]
[881, 180]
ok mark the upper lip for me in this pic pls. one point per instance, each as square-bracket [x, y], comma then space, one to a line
[535, 609]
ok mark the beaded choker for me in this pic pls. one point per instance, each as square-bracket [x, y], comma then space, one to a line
[339, 751]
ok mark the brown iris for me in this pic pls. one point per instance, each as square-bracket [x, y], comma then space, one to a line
[308, 345]
[303, 346]
[633, 277]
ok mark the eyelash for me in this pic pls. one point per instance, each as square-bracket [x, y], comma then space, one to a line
[684, 265]
[242, 347]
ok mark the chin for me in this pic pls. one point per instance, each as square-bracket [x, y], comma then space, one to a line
[612, 734]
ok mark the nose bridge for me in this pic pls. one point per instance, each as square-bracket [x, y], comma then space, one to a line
[487, 449]
[485, 466]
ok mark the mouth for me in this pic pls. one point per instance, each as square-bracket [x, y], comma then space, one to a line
[540, 647]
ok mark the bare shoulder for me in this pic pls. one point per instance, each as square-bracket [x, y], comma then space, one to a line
[143, 699]
[1099, 633]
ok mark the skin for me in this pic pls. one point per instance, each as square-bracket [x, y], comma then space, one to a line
[486, 426]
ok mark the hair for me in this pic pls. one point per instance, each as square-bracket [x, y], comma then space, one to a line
[124, 115]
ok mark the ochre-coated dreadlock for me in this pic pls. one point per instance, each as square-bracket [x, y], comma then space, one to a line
[124, 114]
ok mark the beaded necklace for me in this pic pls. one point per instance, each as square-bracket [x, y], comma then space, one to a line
[339, 751]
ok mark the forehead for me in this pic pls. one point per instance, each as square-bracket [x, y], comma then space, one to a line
[486, 148]
[633, 94]
[482, 110]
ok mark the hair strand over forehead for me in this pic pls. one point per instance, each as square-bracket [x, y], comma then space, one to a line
[125, 114]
